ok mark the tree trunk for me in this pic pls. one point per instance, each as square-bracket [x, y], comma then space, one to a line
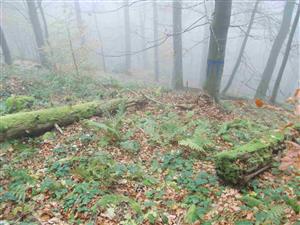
[271, 63]
[239, 59]
[286, 55]
[39, 2]
[127, 38]
[100, 38]
[204, 52]
[72, 51]
[37, 30]
[155, 37]
[241, 164]
[36, 122]
[177, 79]
[217, 47]
[79, 21]
[5, 49]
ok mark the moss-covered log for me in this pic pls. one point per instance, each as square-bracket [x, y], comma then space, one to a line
[36, 122]
[241, 164]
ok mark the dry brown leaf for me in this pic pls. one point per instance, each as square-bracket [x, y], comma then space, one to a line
[259, 103]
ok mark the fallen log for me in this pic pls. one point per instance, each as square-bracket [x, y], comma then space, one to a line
[242, 163]
[37, 122]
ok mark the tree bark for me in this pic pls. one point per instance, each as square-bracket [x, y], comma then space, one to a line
[204, 52]
[36, 122]
[155, 38]
[271, 63]
[37, 30]
[286, 55]
[127, 38]
[177, 78]
[79, 21]
[5, 48]
[239, 59]
[217, 47]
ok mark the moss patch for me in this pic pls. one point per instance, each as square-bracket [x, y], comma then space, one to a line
[18, 103]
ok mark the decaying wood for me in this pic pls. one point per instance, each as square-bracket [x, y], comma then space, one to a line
[243, 163]
[36, 122]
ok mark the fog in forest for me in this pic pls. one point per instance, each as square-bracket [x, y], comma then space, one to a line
[136, 38]
[149, 112]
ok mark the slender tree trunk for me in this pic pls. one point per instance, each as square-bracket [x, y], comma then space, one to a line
[271, 63]
[177, 79]
[239, 59]
[155, 37]
[286, 55]
[5, 49]
[79, 21]
[143, 33]
[72, 51]
[127, 38]
[217, 47]
[46, 34]
[39, 3]
[37, 30]
[100, 39]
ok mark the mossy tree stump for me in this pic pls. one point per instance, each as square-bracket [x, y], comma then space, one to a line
[242, 163]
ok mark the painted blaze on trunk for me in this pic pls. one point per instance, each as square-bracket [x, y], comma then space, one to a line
[217, 46]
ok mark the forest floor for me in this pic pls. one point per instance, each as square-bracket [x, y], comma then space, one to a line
[138, 170]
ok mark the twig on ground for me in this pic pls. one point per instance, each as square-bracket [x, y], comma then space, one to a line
[58, 129]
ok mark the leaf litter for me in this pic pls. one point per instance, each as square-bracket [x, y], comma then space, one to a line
[148, 177]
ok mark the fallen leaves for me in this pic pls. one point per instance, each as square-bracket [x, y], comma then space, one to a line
[291, 158]
[227, 203]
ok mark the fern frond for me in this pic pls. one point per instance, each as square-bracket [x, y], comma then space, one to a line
[275, 215]
[192, 144]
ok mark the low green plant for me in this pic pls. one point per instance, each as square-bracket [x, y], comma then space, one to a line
[115, 199]
[81, 196]
[21, 182]
[131, 146]
[201, 139]
[163, 129]
[111, 128]
[272, 215]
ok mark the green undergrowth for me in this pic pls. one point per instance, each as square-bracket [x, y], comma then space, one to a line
[143, 167]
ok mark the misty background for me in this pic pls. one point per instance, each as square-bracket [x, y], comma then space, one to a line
[98, 40]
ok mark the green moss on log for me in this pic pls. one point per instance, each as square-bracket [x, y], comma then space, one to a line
[18, 103]
[236, 165]
[37, 122]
